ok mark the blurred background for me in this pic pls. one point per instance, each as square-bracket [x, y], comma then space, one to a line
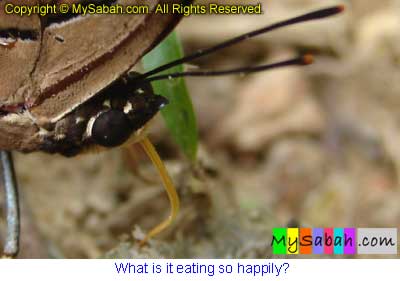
[314, 146]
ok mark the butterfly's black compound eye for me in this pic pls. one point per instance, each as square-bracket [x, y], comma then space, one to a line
[111, 128]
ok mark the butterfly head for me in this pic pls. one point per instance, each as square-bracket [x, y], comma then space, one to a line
[116, 115]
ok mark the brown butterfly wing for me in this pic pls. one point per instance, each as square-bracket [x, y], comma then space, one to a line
[96, 51]
[17, 58]
[67, 64]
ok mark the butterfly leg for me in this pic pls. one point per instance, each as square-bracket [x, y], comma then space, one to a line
[11, 245]
[169, 187]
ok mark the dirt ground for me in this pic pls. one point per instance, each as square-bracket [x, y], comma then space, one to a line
[313, 147]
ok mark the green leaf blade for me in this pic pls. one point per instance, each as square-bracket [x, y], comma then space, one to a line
[179, 115]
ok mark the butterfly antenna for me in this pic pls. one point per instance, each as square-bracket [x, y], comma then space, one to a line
[319, 14]
[303, 60]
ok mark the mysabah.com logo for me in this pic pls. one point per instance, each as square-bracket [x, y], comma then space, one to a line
[334, 241]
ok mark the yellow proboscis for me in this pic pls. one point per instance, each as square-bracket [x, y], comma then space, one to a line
[169, 187]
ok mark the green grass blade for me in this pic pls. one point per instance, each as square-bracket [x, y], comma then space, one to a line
[179, 115]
